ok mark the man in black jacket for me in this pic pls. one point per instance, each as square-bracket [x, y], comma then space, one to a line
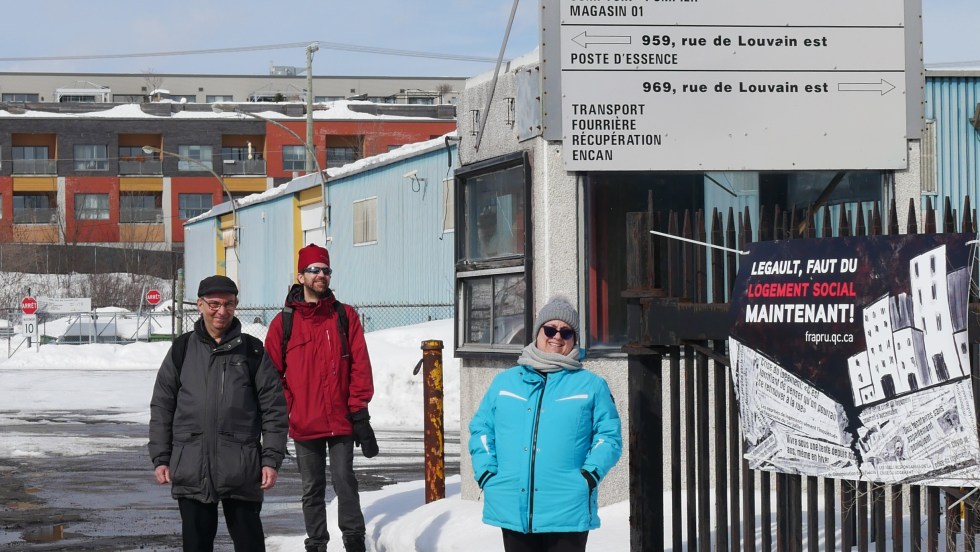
[218, 423]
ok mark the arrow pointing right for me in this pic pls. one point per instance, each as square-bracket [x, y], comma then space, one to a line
[883, 87]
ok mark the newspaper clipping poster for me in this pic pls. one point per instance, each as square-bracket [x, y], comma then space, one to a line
[850, 358]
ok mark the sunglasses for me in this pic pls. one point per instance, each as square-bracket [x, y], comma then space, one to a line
[318, 269]
[565, 333]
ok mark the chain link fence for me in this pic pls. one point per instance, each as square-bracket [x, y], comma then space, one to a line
[132, 324]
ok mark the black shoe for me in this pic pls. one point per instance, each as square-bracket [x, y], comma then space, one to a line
[354, 543]
[316, 548]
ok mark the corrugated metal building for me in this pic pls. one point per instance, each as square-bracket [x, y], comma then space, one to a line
[389, 233]
[951, 141]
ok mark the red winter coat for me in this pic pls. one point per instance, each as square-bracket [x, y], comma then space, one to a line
[321, 387]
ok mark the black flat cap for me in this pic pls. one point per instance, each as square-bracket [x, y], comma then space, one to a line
[217, 284]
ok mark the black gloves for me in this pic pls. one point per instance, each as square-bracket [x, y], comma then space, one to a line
[363, 434]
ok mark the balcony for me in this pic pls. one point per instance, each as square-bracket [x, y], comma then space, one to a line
[152, 167]
[48, 215]
[35, 166]
[141, 216]
[254, 167]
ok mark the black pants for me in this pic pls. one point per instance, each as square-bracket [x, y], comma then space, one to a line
[200, 524]
[311, 457]
[544, 542]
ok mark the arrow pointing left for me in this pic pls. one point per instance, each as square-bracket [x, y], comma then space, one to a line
[584, 40]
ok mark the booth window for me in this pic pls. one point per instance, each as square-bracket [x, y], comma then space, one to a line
[491, 221]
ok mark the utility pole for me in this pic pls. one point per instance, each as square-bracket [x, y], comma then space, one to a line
[310, 49]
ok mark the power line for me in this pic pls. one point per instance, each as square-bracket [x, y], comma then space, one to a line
[259, 48]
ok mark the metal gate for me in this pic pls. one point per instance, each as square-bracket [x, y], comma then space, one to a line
[682, 405]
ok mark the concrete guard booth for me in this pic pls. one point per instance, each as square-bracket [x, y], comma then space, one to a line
[660, 108]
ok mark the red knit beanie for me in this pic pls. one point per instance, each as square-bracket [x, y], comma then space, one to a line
[312, 254]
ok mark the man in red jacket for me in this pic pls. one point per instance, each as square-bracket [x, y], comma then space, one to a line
[328, 385]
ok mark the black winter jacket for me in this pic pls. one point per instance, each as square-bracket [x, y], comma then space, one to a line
[207, 427]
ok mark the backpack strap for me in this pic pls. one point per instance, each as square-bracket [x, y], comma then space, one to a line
[287, 329]
[178, 351]
[342, 325]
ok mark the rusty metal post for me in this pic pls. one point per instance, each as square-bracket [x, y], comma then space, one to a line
[435, 456]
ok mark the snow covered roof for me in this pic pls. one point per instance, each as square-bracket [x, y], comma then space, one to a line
[338, 110]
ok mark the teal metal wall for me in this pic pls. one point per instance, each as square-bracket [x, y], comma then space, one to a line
[951, 102]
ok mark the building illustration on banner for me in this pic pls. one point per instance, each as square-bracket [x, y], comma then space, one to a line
[914, 341]
[885, 397]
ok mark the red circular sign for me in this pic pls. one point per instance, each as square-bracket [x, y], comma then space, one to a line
[153, 297]
[28, 305]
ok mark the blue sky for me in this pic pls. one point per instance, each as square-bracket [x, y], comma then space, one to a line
[472, 28]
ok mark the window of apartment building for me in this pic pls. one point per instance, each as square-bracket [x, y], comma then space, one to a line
[192, 205]
[16, 97]
[200, 154]
[337, 156]
[184, 98]
[321, 99]
[35, 208]
[293, 158]
[421, 101]
[31, 160]
[141, 207]
[365, 213]
[91, 206]
[133, 153]
[91, 157]
[492, 271]
[218, 98]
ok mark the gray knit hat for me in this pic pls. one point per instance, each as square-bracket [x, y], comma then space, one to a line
[558, 308]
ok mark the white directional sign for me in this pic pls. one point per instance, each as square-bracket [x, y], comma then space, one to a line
[733, 84]
[30, 327]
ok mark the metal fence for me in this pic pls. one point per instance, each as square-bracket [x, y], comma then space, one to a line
[132, 324]
[684, 429]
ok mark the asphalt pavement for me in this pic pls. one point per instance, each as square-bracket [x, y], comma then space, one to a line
[111, 502]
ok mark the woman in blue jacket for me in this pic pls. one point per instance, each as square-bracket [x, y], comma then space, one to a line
[544, 436]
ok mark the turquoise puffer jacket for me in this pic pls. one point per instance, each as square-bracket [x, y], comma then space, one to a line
[530, 440]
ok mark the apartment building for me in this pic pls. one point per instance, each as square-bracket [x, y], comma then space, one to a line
[91, 173]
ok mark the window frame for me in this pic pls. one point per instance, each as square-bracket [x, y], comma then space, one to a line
[373, 201]
[182, 209]
[195, 152]
[126, 212]
[80, 163]
[100, 212]
[470, 272]
[49, 211]
[289, 161]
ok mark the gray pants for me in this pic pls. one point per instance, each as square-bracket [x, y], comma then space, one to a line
[311, 456]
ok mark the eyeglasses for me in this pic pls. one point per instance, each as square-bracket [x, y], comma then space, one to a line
[565, 333]
[215, 306]
[326, 270]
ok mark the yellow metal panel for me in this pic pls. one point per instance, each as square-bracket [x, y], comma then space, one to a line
[35, 233]
[220, 257]
[297, 227]
[254, 184]
[309, 196]
[227, 221]
[154, 184]
[35, 183]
